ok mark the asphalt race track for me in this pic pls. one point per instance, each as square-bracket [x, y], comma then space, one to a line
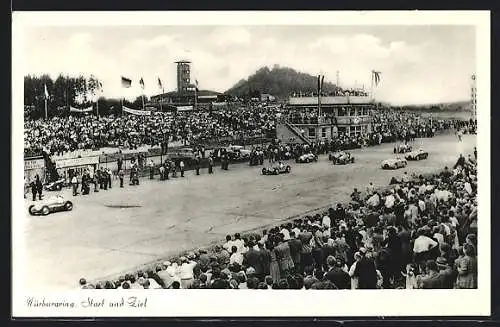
[112, 231]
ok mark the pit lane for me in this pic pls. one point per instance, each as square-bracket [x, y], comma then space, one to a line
[113, 231]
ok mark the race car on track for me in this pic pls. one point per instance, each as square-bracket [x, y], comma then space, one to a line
[276, 169]
[306, 158]
[394, 163]
[402, 148]
[417, 155]
[49, 205]
[341, 158]
[56, 185]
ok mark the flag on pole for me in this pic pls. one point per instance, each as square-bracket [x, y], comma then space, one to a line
[196, 84]
[141, 82]
[376, 77]
[321, 79]
[126, 82]
[160, 86]
[45, 91]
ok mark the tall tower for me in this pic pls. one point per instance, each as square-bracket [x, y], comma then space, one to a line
[473, 96]
[183, 75]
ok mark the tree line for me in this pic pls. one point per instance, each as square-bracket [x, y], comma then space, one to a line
[68, 91]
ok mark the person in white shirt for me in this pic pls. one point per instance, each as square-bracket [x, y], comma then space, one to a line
[326, 222]
[186, 273]
[229, 243]
[236, 256]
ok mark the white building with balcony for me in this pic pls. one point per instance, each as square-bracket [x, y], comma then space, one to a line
[306, 121]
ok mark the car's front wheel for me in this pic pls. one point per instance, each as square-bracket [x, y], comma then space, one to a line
[58, 187]
[288, 168]
[263, 171]
[45, 210]
[386, 166]
[68, 206]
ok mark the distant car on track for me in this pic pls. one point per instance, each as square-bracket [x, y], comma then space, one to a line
[49, 205]
[394, 163]
[276, 169]
[341, 158]
[306, 158]
[56, 185]
[417, 155]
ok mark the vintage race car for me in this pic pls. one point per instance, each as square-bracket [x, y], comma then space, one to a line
[55, 186]
[417, 155]
[341, 158]
[402, 148]
[276, 170]
[49, 205]
[394, 163]
[305, 158]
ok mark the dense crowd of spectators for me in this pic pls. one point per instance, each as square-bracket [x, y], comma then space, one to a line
[420, 232]
[60, 135]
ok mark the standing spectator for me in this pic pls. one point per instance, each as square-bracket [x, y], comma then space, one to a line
[197, 165]
[121, 176]
[181, 166]
[33, 188]
[39, 187]
[151, 169]
[366, 272]
[210, 165]
[109, 174]
[336, 275]
[74, 184]
[467, 268]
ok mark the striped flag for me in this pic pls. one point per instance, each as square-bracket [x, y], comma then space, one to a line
[160, 86]
[376, 77]
[45, 91]
[126, 82]
[321, 79]
[141, 82]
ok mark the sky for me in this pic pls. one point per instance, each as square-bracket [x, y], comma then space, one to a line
[418, 64]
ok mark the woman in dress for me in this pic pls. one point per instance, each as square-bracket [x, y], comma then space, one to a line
[467, 268]
[274, 267]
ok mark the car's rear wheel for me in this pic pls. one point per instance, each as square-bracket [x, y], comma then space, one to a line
[68, 206]
[58, 187]
[45, 210]
[31, 210]
[386, 166]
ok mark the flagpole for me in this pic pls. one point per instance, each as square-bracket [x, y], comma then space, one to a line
[196, 98]
[45, 108]
[161, 98]
[143, 101]
[97, 106]
[371, 87]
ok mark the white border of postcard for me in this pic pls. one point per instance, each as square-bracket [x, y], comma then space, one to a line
[186, 303]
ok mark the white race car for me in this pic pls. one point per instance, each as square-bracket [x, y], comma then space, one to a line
[308, 157]
[394, 163]
[417, 155]
[49, 205]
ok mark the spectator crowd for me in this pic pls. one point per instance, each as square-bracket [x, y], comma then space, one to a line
[60, 135]
[420, 232]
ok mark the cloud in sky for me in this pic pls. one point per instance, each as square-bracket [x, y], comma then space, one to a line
[419, 64]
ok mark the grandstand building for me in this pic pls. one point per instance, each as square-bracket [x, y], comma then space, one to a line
[350, 115]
